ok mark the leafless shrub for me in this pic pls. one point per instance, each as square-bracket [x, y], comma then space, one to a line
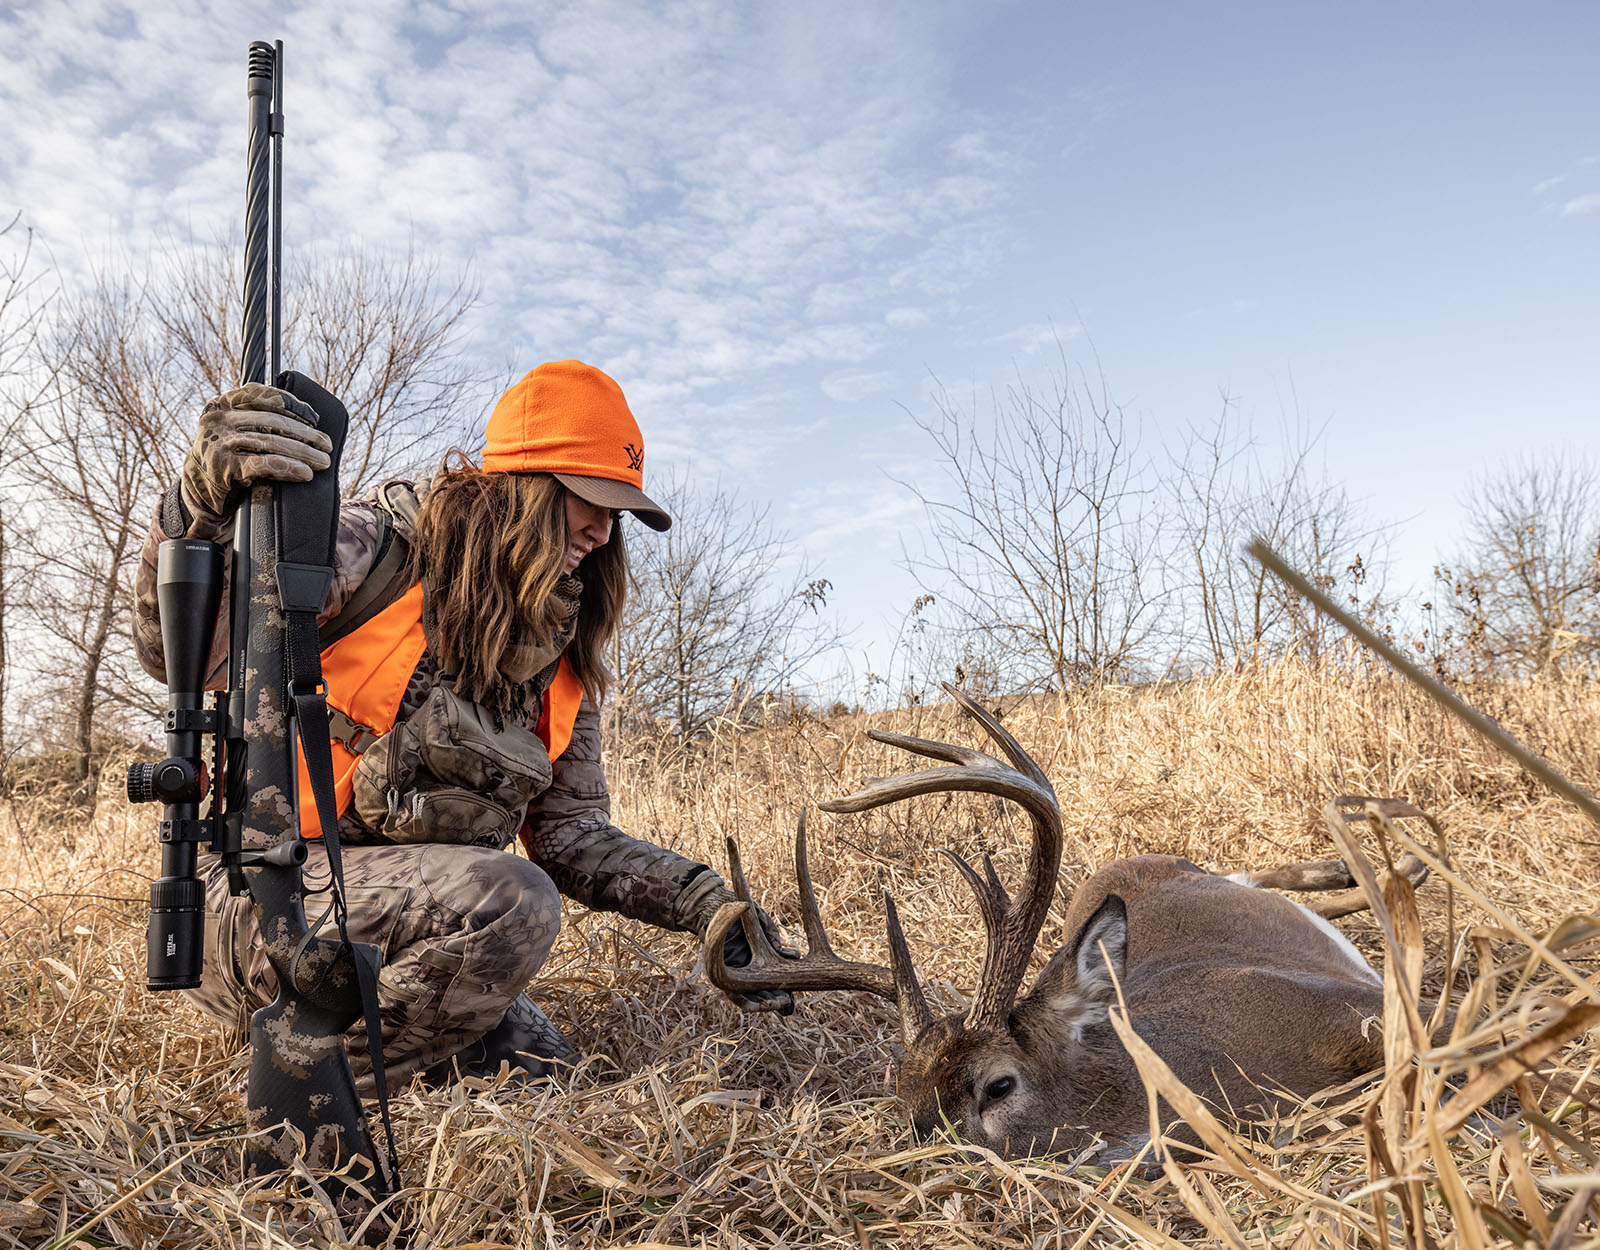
[1041, 548]
[1061, 556]
[99, 450]
[1525, 589]
[1225, 491]
[24, 297]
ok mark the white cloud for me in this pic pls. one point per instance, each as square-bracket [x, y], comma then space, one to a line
[906, 318]
[1036, 336]
[701, 195]
[1583, 204]
[846, 522]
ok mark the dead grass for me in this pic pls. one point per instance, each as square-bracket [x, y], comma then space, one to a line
[121, 1111]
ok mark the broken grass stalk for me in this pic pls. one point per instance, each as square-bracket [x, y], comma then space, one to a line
[1433, 688]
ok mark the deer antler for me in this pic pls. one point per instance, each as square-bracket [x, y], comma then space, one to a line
[820, 968]
[1010, 929]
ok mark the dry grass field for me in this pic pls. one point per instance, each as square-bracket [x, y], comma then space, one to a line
[690, 1125]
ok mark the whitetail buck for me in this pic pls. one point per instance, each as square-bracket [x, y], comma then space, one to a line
[1242, 992]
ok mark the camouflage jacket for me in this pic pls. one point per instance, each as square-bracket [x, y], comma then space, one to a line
[568, 831]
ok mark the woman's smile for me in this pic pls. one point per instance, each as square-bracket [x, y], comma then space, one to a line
[588, 527]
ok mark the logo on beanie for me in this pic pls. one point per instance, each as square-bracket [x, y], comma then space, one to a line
[635, 457]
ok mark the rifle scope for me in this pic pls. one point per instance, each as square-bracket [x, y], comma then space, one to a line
[188, 590]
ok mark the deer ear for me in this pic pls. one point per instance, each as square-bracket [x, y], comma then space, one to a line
[1078, 981]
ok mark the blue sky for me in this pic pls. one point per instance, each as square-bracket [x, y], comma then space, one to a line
[778, 225]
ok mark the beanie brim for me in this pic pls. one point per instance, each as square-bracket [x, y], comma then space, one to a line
[605, 492]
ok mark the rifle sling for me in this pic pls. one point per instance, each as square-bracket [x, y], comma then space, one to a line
[311, 718]
[307, 517]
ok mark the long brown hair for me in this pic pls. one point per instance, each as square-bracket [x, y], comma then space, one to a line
[491, 547]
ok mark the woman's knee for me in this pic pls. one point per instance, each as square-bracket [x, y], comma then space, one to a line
[491, 888]
[503, 915]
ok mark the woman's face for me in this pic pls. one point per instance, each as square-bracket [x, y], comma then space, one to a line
[588, 527]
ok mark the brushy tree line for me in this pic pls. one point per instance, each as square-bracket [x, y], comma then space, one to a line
[1057, 549]
[1058, 552]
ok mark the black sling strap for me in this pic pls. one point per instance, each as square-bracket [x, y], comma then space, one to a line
[307, 524]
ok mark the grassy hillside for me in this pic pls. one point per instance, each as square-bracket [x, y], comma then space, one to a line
[121, 1111]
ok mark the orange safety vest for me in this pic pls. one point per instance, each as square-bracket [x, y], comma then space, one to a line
[366, 674]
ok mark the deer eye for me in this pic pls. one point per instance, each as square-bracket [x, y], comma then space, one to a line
[998, 1088]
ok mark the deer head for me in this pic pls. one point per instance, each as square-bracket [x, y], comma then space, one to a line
[967, 1070]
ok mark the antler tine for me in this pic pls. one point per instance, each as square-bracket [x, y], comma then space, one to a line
[753, 935]
[994, 880]
[988, 777]
[819, 969]
[915, 1015]
[810, 913]
[949, 752]
[1024, 762]
[993, 901]
[741, 887]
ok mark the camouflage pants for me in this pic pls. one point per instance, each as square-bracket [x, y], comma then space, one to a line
[462, 930]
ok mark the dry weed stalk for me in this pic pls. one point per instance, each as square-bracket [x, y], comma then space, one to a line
[120, 1112]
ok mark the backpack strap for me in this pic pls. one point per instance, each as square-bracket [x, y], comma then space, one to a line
[396, 508]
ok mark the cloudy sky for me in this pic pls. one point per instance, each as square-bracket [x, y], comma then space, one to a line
[779, 226]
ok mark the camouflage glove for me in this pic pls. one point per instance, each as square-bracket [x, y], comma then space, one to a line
[694, 908]
[253, 433]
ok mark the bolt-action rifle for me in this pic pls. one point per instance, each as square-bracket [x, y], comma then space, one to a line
[302, 1101]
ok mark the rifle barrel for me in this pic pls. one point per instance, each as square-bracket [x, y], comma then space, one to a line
[259, 88]
[277, 207]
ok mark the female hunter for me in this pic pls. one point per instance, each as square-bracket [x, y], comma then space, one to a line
[464, 669]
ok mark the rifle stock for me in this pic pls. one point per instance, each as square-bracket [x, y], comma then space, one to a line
[301, 1097]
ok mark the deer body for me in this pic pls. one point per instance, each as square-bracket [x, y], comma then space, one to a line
[1241, 991]
[1245, 994]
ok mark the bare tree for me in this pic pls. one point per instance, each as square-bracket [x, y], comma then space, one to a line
[712, 617]
[1041, 550]
[22, 308]
[133, 362]
[1529, 575]
[382, 334]
[99, 450]
[23, 301]
[1224, 492]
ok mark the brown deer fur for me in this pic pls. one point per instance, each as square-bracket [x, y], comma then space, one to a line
[1239, 990]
